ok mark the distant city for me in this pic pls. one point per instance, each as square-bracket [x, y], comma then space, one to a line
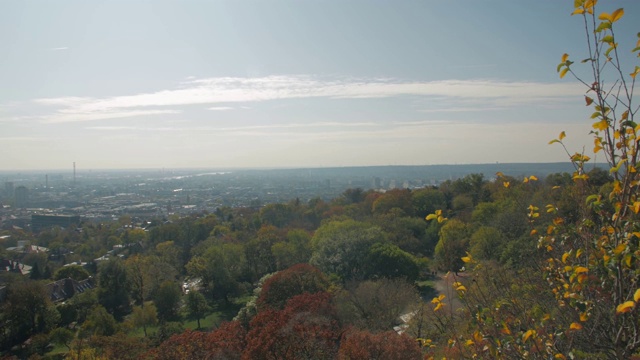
[36, 199]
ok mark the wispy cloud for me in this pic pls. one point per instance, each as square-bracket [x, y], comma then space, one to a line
[69, 115]
[60, 48]
[225, 90]
[220, 108]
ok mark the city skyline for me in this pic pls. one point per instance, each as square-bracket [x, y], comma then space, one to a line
[285, 84]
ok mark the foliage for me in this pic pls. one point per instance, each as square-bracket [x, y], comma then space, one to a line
[338, 247]
[76, 272]
[167, 300]
[363, 345]
[376, 305]
[296, 280]
[197, 306]
[113, 288]
[307, 328]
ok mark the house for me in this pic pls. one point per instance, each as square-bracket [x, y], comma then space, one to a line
[64, 289]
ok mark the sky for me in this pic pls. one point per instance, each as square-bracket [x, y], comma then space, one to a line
[291, 83]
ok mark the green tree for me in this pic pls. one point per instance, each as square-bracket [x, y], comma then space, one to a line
[62, 336]
[452, 246]
[144, 317]
[113, 288]
[339, 247]
[197, 306]
[76, 272]
[167, 300]
[388, 260]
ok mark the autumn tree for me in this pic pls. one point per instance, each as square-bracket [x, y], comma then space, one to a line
[363, 345]
[307, 328]
[376, 305]
[296, 280]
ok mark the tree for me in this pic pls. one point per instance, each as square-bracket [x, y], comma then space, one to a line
[307, 328]
[388, 260]
[296, 280]
[144, 317]
[197, 306]
[27, 310]
[75, 272]
[227, 342]
[113, 288]
[595, 259]
[167, 300]
[62, 336]
[363, 345]
[295, 250]
[485, 243]
[220, 267]
[338, 247]
[145, 274]
[452, 245]
[100, 322]
[376, 305]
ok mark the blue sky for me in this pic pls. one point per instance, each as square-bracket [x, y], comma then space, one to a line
[218, 84]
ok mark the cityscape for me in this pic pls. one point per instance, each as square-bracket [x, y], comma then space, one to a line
[37, 199]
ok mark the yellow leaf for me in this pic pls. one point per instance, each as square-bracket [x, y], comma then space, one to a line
[578, 253]
[526, 180]
[438, 307]
[564, 72]
[616, 15]
[578, 11]
[605, 16]
[625, 307]
[636, 207]
[581, 269]
[466, 259]
[575, 326]
[584, 317]
[619, 249]
[527, 335]
[461, 288]
[431, 217]
[560, 356]
[533, 177]
[499, 174]
[565, 56]
[469, 342]
[506, 184]
[601, 125]
[505, 329]
[562, 135]
[636, 295]
[588, 100]
[533, 232]
[564, 257]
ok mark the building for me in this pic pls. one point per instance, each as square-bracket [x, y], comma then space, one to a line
[40, 222]
[62, 290]
[21, 197]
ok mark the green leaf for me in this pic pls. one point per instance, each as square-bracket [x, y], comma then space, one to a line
[559, 67]
[607, 39]
[603, 26]
[585, 60]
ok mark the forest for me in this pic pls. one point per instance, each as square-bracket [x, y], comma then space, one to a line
[485, 266]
